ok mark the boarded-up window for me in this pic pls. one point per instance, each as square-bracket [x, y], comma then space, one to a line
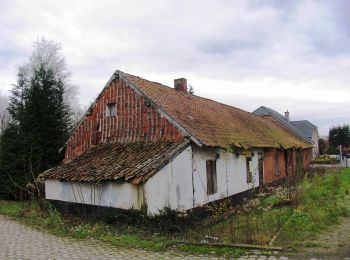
[249, 169]
[110, 110]
[211, 177]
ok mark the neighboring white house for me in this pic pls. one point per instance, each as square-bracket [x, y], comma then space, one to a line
[144, 145]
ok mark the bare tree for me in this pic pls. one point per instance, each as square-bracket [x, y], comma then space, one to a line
[48, 53]
[4, 114]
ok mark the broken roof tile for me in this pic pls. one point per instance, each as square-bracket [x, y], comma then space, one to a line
[131, 162]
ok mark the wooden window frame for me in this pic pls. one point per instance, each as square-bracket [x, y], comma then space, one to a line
[111, 109]
[212, 185]
[248, 170]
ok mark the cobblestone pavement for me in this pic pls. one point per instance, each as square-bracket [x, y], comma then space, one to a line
[22, 242]
[18, 241]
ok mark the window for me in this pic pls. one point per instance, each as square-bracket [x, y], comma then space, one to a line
[211, 177]
[249, 169]
[110, 110]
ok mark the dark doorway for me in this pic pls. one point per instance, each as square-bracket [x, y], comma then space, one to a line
[261, 170]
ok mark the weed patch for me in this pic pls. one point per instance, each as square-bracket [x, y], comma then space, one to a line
[322, 205]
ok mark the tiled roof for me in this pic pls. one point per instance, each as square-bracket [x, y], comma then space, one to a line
[305, 127]
[266, 111]
[216, 124]
[131, 162]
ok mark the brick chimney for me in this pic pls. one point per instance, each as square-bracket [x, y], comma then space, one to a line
[286, 115]
[180, 85]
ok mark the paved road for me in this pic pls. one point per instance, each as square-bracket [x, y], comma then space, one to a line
[21, 242]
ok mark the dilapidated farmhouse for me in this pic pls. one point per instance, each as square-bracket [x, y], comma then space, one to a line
[145, 145]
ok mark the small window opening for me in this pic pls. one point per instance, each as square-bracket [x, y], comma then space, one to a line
[249, 169]
[211, 177]
[110, 110]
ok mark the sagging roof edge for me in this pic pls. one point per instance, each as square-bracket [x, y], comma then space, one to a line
[182, 146]
[172, 155]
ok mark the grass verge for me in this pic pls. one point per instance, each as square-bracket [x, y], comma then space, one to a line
[51, 221]
[324, 201]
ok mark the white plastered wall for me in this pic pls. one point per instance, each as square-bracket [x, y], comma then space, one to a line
[180, 185]
[172, 185]
[231, 174]
[124, 196]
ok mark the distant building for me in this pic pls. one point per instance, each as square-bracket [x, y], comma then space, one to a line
[311, 131]
[302, 128]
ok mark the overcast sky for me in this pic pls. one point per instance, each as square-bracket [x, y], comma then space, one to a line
[291, 55]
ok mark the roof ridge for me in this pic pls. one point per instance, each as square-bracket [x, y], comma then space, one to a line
[279, 117]
[200, 97]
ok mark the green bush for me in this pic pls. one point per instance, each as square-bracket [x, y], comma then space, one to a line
[53, 219]
[324, 159]
[81, 231]
[166, 221]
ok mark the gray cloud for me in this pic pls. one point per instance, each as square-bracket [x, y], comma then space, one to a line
[258, 50]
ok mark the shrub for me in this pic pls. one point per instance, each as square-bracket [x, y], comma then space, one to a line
[166, 221]
[53, 219]
[324, 159]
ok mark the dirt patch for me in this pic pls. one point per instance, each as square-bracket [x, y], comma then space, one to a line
[332, 244]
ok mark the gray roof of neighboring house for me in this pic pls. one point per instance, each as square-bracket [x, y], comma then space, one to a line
[265, 111]
[305, 127]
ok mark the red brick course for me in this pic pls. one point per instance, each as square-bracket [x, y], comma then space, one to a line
[135, 120]
[286, 160]
[274, 165]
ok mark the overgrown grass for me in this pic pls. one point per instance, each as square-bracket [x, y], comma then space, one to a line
[12, 209]
[324, 201]
[120, 232]
[254, 226]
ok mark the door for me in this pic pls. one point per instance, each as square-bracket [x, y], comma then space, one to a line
[261, 172]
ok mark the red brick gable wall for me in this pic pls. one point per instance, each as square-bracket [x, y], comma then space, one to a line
[135, 120]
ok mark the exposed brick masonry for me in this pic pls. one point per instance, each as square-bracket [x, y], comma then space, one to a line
[135, 120]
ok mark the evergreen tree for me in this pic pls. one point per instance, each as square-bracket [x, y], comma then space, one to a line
[339, 135]
[322, 146]
[46, 120]
[41, 120]
[13, 172]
